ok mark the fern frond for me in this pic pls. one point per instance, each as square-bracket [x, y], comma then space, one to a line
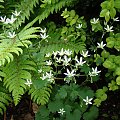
[4, 98]
[56, 6]
[16, 75]
[10, 46]
[26, 7]
[41, 95]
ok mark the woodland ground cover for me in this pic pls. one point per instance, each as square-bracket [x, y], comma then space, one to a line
[59, 59]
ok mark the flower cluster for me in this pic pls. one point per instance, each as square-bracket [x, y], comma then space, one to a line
[43, 34]
[49, 77]
[69, 63]
[10, 20]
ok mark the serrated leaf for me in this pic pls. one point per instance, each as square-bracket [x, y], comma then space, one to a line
[92, 114]
[118, 80]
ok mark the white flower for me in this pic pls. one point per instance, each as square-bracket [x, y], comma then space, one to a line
[95, 21]
[68, 52]
[49, 75]
[94, 72]
[61, 111]
[11, 35]
[109, 29]
[61, 53]
[101, 45]
[80, 62]
[59, 60]
[48, 62]
[79, 26]
[48, 55]
[87, 100]
[116, 19]
[51, 80]
[43, 36]
[3, 19]
[29, 82]
[43, 30]
[39, 71]
[76, 58]
[43, 77]
[66, 60]
[85, 54]
[10, 21]
[55, 53]
[70, 74]
[16, 13]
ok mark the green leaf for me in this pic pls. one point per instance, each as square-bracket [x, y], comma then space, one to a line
[113, 86]
[97, 102]
[76, 115]
[103, 12]
[117, 71]
[118, 80]
[108, 64]
[73, 22]
[107, 16]
[117, 4]
[42, 113]
[112, 12]
[92, 114]
[55, 106]
[104, 4]
[39, 83]
[105, 54]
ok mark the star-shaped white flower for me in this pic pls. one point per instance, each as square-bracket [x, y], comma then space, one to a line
[61, 111]
[49, 75]
[43, 77]
[94, 72]
[29, 82]
[116, 19]
[70, 74]
[43, 36]
[109, 29]
[66, 60]
[62, 52]
[40, 71]
[11, 35]
[58, 60]
[68, 52]
[101, 45]
[43, 30]
[81, 62]
[16, 13]
[3, 19]
[85, 54]
[48, 62]
[95, 21]
[79, 26]
[55, 53]
[87, 100]
[48, 55]
[10, 21]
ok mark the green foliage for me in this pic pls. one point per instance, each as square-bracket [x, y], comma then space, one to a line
[26, 7]
[114, 41]
[16, 74]
[113, 86]
[4, 98]
[8, 46]
[100, 96]
[108, 10]
[40, 95]
[92, 114]
[65, 97]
